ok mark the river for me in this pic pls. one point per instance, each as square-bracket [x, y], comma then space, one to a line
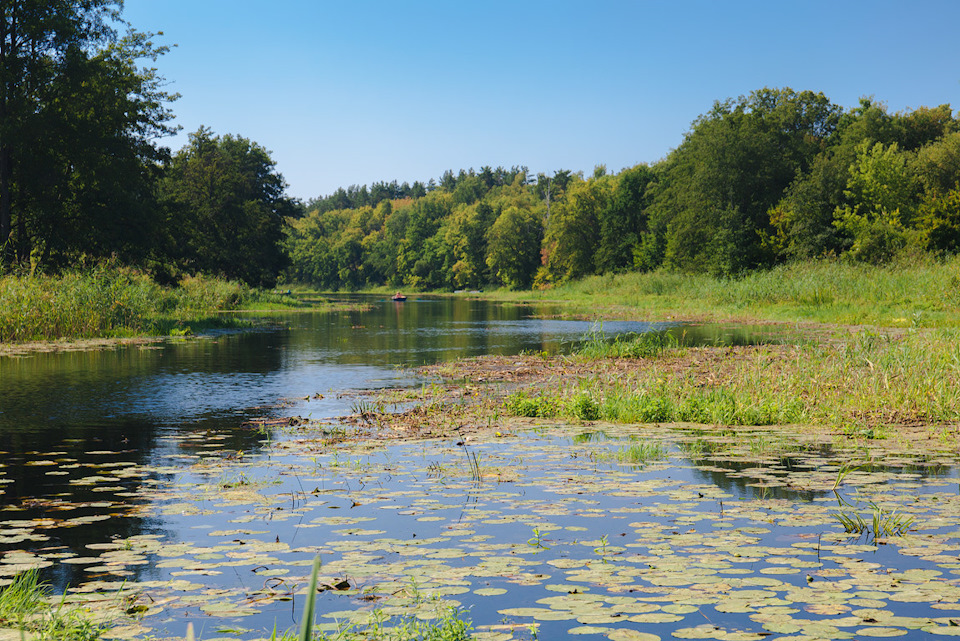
[159, 468]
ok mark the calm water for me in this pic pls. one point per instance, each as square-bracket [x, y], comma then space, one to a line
[64, 414]
[140, 464]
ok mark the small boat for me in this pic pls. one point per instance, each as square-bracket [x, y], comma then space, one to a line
[399, 298]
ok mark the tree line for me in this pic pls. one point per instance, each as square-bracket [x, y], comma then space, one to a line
[774, 176]
[83, 176]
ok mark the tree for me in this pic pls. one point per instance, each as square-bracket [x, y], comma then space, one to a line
[624, 219]
[573, 232]
[882, 195]
[227, 209]
[77, 123]
[513, 247]
[733, 166]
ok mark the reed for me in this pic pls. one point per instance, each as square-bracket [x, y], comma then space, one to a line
[111, 301]
[27, 605]
[913, 290]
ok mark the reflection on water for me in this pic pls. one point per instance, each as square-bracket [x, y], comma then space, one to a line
[145, 463]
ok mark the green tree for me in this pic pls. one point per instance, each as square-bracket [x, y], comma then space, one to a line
[464, 247]
[937, 165]
[513, 247]
[227, 209]
[77, 124]
[938, 222]
[624, 219]
[882, 194]
[573, 231]
[733, 166]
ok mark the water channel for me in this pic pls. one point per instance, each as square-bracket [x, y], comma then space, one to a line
[153, 468]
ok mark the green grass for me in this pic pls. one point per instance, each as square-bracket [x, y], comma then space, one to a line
[863, 385]
[661, 404]
[26, 604]
[640, 452]
[912, 291]
[646, 345]
[109, 301]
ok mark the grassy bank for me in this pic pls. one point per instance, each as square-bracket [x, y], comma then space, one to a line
[916, 291]
[869, 385]
[117, 302]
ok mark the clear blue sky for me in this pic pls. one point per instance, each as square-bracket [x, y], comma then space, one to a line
[354, 91]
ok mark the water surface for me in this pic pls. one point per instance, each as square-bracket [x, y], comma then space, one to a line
[154, 466]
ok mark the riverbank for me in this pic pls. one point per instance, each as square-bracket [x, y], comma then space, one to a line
[919, 291]
[104, 302]
[855, 385]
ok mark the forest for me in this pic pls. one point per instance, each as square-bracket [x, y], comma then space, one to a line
[776, 176]
[83, 176]
[759, 180]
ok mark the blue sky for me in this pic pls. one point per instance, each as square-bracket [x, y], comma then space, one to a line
[354, 91]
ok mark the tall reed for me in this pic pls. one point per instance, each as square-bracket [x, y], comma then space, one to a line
[104, 301]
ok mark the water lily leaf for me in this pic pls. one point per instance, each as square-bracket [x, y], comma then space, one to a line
[704, 631]
[881, 632]
[631, 635]
[943, 630]
[589, 629]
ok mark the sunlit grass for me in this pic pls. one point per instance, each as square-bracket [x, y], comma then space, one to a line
[107, 301]
[27, 605]
[914, 291]
[861, 385]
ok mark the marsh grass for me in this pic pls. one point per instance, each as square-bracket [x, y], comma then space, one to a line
[880, 523]
[645, 345]
[27, 605]
[913, 290]
[864, 385]
[658, 404]
[641, 452]
[110, 301]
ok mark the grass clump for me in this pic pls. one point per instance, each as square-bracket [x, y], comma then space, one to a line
[539, 406]
[26, 604]
[645, 345]
[640, 452]
[110, 301]
[881, 523]
[662, 403]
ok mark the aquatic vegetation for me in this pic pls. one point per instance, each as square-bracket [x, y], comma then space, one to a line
[27, 604]
[646, 345]
[641, 452]
[881, 523]
[537, 540]
[308, 617]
